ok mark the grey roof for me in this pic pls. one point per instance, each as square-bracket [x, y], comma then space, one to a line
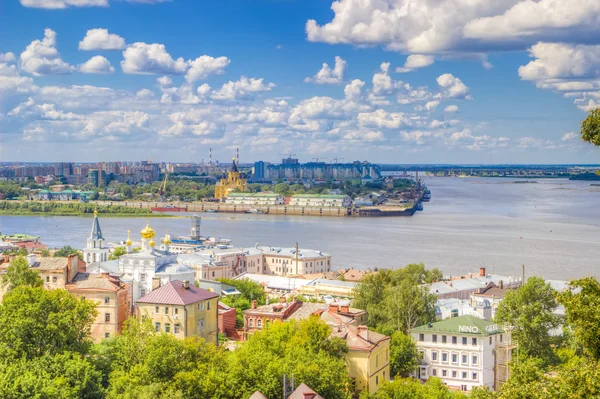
[96, 233]
[339, 283]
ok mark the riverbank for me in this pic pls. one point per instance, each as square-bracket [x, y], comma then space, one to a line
[45, 208]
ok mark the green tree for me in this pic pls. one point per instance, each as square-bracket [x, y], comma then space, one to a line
[45, 253]
[410, 388]
[404, 356]
[282, 188]
[408, 305]
[590, 128]
[35, 321]
[582, 315]
[117, 253]
[530, 310]
[67, 250]
[19, 273]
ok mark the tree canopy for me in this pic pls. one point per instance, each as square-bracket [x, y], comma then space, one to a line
[590, 128]
[19, 273]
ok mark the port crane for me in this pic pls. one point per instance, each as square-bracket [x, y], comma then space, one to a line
[163, 186]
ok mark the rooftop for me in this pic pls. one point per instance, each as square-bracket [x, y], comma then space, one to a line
[259, 195]
[52, 263]
[338, 283]
[174, 293]
[322, 196]
[359, 338]
[275, 282]
[464, 325]
[97, 282]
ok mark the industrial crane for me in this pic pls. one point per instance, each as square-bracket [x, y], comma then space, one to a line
[163, 187]
[289, 156]
[336, 159]
[317, 159]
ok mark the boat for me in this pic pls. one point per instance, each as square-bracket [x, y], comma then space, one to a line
[256, 211]
[168, 208]
[210, 211]
[419, 207]
[426, 198]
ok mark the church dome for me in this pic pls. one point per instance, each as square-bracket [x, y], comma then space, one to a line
[128, 242]
[148, 232]
[152, 243]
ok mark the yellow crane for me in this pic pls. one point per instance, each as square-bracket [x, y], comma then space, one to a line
[163, 187]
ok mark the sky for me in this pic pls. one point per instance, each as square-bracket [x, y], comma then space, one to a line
[388, 81]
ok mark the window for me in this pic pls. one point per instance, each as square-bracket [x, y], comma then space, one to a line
[54, 279]
[421, 337]
[376, 380]
[207, 305]
[444, 373]
[259, 323]
[143, 292]
[444, 357]
[143, 277]
[443, 339]
[167, 328]
[490, 340]
[156, 309]
[465, 360]
[200, 305]
[106, 299]
[434, 356]
[157, 326]
[251, 323]
[454, 340]
[464, 375]
[166, 310]
[434, 372]
[500, 337]
[454, 358]
[200, 324]
[176, 329]
[213, 274]
[464, 340]
[474, 360]
[107, 317]
[434, 338]
[454, 374]
[474, 376]
[47, 279]
[106, 335]
[474, 341]
[176, 311]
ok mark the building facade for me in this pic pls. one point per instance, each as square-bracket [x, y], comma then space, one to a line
[232, 182]
[255, 199]
[464, 352]
[321, 200]
[182, 309]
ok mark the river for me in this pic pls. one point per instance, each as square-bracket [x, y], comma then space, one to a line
[552, 227]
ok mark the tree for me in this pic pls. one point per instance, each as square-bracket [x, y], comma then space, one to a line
[35, 322]
[530, 310]
[404, 356]
[582, 315]
[410, 388]
[67, 250]
[408, 305]
[117, 253]
[19, 273]
[45, 253]
[590, 128]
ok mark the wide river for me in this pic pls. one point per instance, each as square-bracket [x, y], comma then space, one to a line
[552, 227]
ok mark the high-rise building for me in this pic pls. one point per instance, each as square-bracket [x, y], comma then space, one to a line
[259, 170]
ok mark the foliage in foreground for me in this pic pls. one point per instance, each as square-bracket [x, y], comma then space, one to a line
[590, 128]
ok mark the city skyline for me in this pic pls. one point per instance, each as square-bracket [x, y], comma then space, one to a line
[325, 79]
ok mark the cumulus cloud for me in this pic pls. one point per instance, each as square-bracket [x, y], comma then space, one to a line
[415, 61]
[451, 109]
[382, 119]
[352, 90]
[143, 58]
[144, 94]
[100, 39]
[97, 65]
[42, 58]
[561, 60]
[330, 76]
[383, 84]
[244, 88]
[7, 57]
[204, 66]
[432, 105]
[59, 4]
[453, 87]
[569, 136]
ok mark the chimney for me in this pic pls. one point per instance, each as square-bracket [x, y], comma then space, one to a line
[185, 284]
[31, 259]
[501, 283]
[363, 332]
[254, 304]
[345, 308]
[155, 282]
[482, 271]
[282, 299]
[333, 307]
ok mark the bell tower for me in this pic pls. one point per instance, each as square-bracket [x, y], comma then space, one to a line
[94, 250]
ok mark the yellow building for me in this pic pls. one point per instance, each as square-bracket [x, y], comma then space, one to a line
[232, 182]
[183, 310]
[368, 356]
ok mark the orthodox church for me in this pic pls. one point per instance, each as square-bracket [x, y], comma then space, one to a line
[234, 180]
[94, 250]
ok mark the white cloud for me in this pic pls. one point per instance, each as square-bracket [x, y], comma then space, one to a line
[242, 89]
[42, 58]
[451, 109]
[203, 90]
[383, 84]
[382, 119]
[58, 4]
[569, 136]
[7, 57]
[97, 65]
[164, 81]
[352, 90]
[415, 61]
[44, 111]
[560, 60]
[330, 76]
[144, 94]
[453, 87]
[100, 39]
[204, 66]
[143, 58]
[432, 105]
[368, 136]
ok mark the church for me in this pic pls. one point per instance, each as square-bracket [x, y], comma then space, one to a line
[146, 269]
[233, 181]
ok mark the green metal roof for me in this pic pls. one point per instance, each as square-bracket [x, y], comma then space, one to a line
[464, 325]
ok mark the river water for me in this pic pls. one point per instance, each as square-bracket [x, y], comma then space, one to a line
[552, 227]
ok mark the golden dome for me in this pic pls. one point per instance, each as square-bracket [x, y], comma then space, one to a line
[152, 243]
[148, 232]
[167, 239]
[128, 242]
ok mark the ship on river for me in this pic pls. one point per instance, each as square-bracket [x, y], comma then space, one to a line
[195, 238]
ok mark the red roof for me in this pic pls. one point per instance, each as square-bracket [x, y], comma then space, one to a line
[173, 293]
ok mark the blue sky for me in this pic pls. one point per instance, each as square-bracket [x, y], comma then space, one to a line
[406, 82]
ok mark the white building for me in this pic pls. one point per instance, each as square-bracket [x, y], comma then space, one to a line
[464, 286]
[324, 200]
[289, 261]
[255, 199]
[464, 352]
[94, 250]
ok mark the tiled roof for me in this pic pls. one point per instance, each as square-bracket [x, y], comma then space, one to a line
[173, 293]
[466, 325]
[89, 281]
[359, 338]
[304, 392]
[52, 263]
[258, 395]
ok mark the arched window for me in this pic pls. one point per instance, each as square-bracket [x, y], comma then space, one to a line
[251, 323]
[259, 323]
